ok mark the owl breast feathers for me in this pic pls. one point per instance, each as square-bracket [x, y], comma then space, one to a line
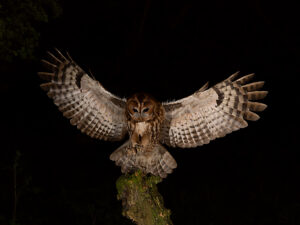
[192, 121]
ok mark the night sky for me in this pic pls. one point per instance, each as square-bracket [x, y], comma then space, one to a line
[169, 49]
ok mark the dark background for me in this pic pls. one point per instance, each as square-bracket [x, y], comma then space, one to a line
[169, 49]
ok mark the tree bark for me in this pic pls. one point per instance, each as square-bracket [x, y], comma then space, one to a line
[141, 201]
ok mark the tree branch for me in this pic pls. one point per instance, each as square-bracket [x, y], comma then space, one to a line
[142, 203]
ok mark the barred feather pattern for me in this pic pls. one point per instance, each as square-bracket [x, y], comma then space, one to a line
[83, 100]
[143, 151]
[207, 114]
[212, 113]
[158, 161]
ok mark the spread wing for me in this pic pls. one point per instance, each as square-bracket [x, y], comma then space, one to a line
[212, 113]
[94, 110]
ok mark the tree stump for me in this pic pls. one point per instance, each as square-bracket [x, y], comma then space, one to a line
[141, 201]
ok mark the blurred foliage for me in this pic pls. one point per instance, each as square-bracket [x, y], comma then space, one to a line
[20, 22]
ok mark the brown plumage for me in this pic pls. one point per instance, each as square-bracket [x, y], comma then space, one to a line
[207, 114]
[145, 116]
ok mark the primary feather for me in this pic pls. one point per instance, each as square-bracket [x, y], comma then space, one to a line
[212, 113]
[83, 100]
[189, 122]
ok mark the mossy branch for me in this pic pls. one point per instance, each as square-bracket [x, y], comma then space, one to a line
[142, 203]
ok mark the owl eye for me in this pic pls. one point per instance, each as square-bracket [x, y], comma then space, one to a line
[145, 109]
[135, 110]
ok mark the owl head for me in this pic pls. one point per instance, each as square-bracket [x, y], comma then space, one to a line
[142, 107]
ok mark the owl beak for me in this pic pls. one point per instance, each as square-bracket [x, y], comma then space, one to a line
[140, 117]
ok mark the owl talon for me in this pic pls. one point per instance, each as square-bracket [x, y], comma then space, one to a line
[138, 147]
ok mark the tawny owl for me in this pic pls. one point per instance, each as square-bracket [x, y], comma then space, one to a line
[207, 114]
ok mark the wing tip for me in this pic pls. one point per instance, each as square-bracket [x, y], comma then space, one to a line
[60, 54]
[251, 116]
[46, 86]
[204, 87]
[245, 79]
[233, 76]
[257, 106]
[257, 95]
[46, 75]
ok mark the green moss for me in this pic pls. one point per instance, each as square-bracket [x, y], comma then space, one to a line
[142, 203]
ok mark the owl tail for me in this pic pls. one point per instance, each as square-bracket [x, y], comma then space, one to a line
[158, 161]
